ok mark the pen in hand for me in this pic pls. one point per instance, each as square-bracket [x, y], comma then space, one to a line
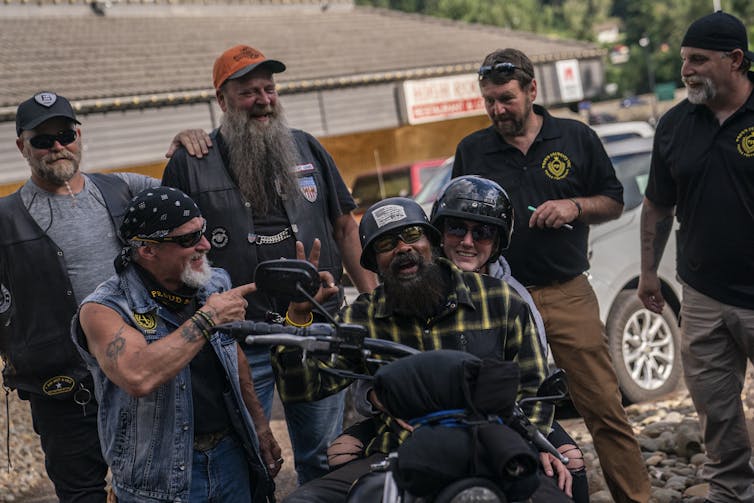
[567, 226]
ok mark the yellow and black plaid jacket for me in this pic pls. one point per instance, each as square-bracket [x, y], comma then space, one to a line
[481, 315]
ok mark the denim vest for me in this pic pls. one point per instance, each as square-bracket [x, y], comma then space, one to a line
[148, 441]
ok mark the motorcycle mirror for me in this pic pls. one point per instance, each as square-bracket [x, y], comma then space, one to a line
[554, 385]
[296, 279]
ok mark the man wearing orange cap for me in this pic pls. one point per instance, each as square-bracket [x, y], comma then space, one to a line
[262, 188]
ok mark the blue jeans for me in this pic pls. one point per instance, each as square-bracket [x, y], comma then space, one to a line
[220, 474]
[312, 426]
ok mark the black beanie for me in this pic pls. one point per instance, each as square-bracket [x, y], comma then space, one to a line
[719, 31]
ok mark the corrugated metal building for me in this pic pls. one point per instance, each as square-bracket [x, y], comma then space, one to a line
[140, 71]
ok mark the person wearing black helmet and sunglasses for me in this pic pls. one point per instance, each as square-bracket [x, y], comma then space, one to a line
[428, 303]
[560, 180]
[475, 218]
[48, 264]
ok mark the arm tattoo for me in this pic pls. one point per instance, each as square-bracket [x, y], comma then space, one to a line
[662, 233]
[116, 346]
[190, 332]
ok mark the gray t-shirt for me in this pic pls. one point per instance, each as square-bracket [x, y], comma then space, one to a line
[81, 227]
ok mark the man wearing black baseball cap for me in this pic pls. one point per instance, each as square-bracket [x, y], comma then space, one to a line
[48, 264]
[703, 172]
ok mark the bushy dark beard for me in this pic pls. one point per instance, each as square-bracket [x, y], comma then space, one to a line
[262, 158]
[420, 296]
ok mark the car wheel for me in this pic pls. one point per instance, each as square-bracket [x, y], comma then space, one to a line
[645, 348]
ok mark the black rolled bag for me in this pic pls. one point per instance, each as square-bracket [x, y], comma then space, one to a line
[456, 401]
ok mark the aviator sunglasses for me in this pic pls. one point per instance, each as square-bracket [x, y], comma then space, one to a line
[482, 233]
[184, 240]
[46, 141]
[389, 241]
[498, 69]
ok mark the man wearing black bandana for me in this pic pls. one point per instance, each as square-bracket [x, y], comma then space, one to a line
[179, 418]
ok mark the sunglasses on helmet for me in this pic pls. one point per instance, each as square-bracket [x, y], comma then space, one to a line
[184, 240]
[481, 233]
[46, 141]
[389, 241]
[500, 69]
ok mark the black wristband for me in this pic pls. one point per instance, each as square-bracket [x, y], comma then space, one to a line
[578, 207]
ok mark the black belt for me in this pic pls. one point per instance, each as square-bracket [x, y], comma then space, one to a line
[207, 441]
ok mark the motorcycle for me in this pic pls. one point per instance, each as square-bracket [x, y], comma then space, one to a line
[471, 441]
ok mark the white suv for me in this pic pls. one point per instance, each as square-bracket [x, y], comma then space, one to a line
[645, 346]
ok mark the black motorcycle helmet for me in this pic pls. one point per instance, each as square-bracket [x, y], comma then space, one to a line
[478, 199]
[386, 216]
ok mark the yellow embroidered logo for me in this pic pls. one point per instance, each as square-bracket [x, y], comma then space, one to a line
[745, 142]
[557, 165]
[58, 385]
[146, 321]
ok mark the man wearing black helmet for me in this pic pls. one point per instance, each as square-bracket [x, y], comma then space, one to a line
[560, 180]
[703, 172]
[426, 302]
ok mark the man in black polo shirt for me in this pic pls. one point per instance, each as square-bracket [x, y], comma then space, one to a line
[703, 168]
[560, 180]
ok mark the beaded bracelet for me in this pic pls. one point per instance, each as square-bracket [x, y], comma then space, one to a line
[289, 321]
[201, 324]
[207, 317]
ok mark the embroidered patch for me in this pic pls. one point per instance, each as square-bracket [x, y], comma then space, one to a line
[219, 237]
[147, 321]
[308, 188]
[557, 165]
[58, 385]
[46, 99]
[5, 300]
[388, 214]
[745, 142]
[302, 169]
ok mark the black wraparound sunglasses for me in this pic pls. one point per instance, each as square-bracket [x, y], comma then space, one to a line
[184, 240]
[389, 241]
[46, 141]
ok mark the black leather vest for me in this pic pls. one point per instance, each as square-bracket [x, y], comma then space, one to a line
[230, 221]
[37, 301]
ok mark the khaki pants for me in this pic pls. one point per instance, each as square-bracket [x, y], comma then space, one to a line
[717, 339]
[576, 337]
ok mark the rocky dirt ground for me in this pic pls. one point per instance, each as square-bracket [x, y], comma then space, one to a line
[667, 431]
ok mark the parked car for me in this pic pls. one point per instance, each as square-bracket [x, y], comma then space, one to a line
[617, 131]
[405, 180]
[645, 347]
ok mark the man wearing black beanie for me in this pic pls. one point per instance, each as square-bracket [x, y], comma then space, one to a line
[703, 171]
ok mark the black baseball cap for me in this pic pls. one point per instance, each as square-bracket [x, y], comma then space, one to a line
[718, 31]
[41, 107]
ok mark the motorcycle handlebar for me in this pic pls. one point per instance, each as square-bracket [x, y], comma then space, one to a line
[317, 337]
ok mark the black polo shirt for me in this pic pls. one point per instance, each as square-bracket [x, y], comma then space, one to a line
[706, 170]
[566, 160]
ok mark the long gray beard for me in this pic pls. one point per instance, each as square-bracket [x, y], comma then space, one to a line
[262, 158]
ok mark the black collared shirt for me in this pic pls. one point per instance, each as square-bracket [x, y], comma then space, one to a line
[706, 170]
[566, 160]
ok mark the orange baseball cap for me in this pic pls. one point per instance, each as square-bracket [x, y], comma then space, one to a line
[240, 60]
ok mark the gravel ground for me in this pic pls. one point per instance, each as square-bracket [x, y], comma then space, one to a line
[667, 431]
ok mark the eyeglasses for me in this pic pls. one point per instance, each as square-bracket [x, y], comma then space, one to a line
[184, 240]
[389, 241]
[46, 141]
[498, 69]
[482, 233]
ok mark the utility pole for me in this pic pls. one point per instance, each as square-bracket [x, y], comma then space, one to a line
[644, 43]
